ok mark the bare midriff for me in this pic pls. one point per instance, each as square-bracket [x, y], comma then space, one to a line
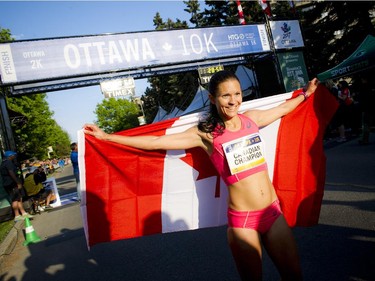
[254, 192]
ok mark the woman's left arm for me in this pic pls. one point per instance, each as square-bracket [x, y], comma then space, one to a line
[265, 117]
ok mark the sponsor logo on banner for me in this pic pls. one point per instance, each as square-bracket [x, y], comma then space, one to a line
[118, 87]
[286, 34]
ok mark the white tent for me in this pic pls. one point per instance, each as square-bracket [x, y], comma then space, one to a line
[200, 101]
[248, 80]
[160, 115]
[174, 113]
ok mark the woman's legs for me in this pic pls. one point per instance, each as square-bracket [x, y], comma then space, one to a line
[247, 252]
[282, 249]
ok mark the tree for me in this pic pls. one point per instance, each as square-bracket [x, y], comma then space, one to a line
[5, 35]
[193, 8]
[281, 10]
[226, 13]
[333, 30]
[116, 114]
[40, 131]
[169, 24]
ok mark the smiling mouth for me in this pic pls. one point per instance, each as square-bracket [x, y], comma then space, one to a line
[232, 107]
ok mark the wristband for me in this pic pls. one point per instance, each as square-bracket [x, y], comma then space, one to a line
[304, 95]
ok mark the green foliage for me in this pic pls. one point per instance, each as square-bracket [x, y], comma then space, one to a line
[5, 228]
[331, 38]
[40, 131]
[281, 10]
[5, 35]
[217, 14]
[115, 115]
[220, 13]
[169, 24]
[193, 8]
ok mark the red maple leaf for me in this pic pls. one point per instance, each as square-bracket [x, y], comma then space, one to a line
[199, 160]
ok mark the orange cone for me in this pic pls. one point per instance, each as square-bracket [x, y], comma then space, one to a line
[31, 236]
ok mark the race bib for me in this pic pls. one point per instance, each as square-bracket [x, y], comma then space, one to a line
[244, 153]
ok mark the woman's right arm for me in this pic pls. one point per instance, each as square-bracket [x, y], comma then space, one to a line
[184, 140]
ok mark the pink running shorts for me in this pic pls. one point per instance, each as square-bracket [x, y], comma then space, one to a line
[259, 220]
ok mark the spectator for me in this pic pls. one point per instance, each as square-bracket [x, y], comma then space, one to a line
[74, 159]
[367, 106]
[13, 185]
[343, 113]
[33, 185]
[61, 164]
[331, 86]
[42, 176]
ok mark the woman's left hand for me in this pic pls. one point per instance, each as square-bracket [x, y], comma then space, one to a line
[311, 86]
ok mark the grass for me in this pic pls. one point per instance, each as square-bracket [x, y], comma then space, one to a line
[5, 227]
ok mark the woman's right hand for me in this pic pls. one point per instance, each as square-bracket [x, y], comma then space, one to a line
[93, 130]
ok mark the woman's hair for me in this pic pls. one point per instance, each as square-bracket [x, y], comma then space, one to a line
[212, 120]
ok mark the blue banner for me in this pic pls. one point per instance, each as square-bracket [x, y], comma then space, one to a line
[37, 60]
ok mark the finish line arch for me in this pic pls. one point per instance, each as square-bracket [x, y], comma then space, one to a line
[45, 65]
[52, 64]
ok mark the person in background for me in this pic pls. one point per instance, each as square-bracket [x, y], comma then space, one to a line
[74, 160]
[254, 213]
[61, 163]
[33, 185]
[331, 86]
[367, 106]
[13, 185]
[333, 125]
[343, 113]
[42, 176]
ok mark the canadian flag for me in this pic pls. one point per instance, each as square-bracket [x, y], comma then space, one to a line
[128, 192]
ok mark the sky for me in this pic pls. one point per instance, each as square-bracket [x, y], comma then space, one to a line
[45, 19]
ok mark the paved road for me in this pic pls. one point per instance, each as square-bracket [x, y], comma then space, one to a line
[341, 247]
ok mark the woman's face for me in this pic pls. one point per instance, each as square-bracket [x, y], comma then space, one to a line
[228, 99]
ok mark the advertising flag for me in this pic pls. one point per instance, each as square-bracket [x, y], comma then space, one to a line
[266, 7]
